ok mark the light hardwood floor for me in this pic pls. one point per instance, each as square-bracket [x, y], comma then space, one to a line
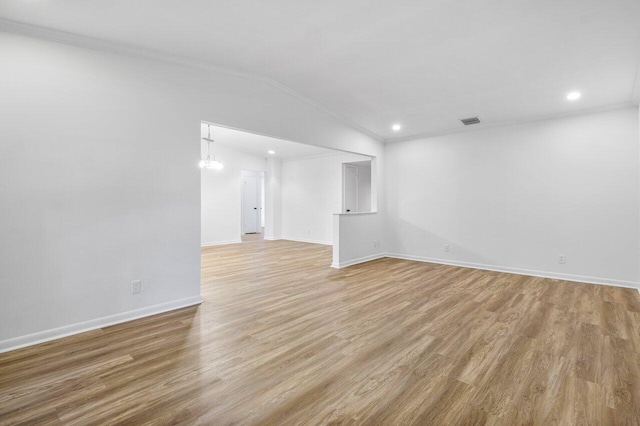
[283, 339]
[249, 238]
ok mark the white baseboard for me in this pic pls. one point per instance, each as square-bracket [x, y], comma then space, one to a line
[81, 327]
[519, 271]
[221, 243]
[358, 260]
[308, 240]
[272, 238]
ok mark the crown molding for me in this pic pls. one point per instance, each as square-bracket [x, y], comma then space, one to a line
[76, 40]
[507, 123]
[92, 43]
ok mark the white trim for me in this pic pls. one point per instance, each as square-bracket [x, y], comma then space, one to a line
[635, 95]
[358, 260]
[308, 240]
[515, 122]
[86, 42]
[220, 243]
[272, 238]
[81, 327]
[520, 271]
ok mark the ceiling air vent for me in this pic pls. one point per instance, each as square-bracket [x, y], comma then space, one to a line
[469, 121]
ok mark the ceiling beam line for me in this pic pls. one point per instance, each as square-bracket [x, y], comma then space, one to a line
[92, 43]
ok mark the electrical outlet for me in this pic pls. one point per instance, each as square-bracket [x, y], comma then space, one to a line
[562, 259]
[447, 248]
[136, 286]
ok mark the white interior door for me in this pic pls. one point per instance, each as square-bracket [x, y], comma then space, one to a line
[251, 204]
[350, 185]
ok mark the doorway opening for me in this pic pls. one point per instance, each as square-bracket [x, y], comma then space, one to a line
[275, 189]
[356, 187]
[252, 215]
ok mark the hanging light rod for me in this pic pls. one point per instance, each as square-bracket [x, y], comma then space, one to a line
[210, 162]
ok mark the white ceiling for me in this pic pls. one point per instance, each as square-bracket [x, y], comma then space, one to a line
[424, 64]
[258, 145]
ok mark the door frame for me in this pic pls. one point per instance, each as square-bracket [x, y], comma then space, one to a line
[344, 187]
[262, 176]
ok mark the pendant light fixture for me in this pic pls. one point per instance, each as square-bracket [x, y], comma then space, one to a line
[210, 162]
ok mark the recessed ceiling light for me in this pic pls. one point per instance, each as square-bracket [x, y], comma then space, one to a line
[573, 96]
[396, 127]
[271, 152]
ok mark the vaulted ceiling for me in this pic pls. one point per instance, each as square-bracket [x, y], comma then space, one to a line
[423, 64]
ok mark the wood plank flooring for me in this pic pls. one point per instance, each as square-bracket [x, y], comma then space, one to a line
[282, 339]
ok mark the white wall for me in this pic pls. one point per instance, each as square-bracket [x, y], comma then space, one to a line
[263, 201]
[273, 200]
[221, 195]
[99, 184]
[357, 237]
[311, 194]
[514, 198]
